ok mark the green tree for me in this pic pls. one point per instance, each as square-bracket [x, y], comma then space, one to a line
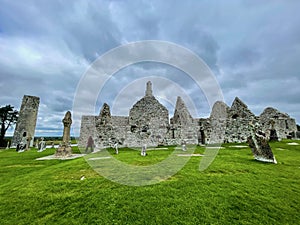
[8, 117]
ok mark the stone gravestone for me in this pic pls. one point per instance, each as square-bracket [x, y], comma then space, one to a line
[65, 150]
[143, 152]
[42, 145]
[116, 148]
[183, 146]
[258, 142]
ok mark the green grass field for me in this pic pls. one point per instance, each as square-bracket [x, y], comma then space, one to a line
[235, 189]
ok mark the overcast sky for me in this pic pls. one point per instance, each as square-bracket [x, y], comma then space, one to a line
[251, 46]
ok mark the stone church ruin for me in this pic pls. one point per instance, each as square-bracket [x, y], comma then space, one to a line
[148, 123]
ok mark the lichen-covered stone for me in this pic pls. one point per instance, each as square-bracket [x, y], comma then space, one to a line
[258, 142]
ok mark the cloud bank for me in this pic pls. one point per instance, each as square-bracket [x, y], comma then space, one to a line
[252, 47]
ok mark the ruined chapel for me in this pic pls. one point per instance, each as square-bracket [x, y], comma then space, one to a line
[148, 123]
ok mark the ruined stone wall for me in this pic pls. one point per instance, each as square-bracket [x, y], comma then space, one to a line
[87, 128]
[216, 125]
[27, 118]
[237, 130]
[121, 127]
[239, 117]
[183, 127]
[146, 109]
[284, 125]
[148, 123]
[177, 134]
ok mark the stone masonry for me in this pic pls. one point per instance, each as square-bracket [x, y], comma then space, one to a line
[27, 119]
[148, 123]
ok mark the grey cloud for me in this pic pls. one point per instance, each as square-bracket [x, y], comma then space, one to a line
[251, 46]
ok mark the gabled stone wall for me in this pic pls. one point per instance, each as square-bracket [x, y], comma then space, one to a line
[183, 127]
[238, 119]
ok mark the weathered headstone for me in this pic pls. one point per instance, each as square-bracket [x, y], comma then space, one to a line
[116, 148]
[258, 142]
[65, 150]
[42, 145]
[144, 149]
[27, 119]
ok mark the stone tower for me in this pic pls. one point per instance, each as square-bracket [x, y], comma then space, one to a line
[27, 119]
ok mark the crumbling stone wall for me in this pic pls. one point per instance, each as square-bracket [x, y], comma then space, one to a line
[121, 127]
[217, 123]
[238, 119]
[87, 129]
[284, 126]
[183, 127]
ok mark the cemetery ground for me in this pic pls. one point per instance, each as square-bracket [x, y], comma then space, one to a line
[234, 189]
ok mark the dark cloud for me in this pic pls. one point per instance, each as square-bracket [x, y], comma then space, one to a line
[251, 46]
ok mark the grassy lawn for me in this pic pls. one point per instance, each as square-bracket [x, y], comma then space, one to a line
[235, 189]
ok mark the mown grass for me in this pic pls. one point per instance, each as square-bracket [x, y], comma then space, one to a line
[235, 189]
